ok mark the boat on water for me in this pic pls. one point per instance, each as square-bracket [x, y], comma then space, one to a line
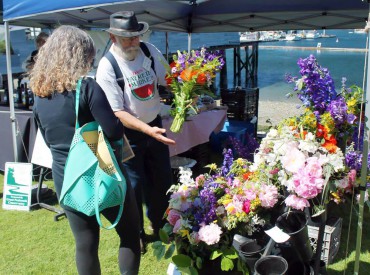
[361, 31]
[249, 36]
[266, 36]
[312, 35]
[292, 37]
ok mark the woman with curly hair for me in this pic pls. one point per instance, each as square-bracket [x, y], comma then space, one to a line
[64, 59]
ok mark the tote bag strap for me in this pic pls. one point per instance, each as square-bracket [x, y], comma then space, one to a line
[107, 178]
[77, 103]
[97, 213]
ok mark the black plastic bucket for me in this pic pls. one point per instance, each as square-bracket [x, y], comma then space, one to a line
[299, 268]
[251, 251]
[294, 223]
[271, 265]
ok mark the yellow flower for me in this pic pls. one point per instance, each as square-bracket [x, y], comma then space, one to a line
[184, 233]
[240, 161]
[255, 203]
[226, 201]
[352, 106]
[328, 122]
[309, 120]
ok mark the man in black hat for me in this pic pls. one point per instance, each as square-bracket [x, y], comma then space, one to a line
[132, 91]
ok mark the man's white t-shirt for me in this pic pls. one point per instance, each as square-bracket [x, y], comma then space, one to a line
[141, 97]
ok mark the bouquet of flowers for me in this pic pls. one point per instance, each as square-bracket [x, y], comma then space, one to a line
[190, 75]
[309, 171]
[204, 214]
[302, 155]
[336, 113]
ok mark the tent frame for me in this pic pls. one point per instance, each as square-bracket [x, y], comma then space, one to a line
[275, 23]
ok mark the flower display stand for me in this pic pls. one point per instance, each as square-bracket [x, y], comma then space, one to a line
[331, 238]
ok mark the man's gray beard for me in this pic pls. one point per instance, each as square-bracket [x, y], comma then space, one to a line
[128, 54]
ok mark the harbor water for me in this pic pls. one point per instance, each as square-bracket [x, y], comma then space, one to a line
[274, 63]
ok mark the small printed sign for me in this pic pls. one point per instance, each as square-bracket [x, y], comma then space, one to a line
[278, 235]
[17, 186]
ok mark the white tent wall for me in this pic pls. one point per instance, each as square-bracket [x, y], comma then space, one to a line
[194, 16]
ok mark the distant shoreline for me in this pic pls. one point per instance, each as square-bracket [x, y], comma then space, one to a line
[312, 48]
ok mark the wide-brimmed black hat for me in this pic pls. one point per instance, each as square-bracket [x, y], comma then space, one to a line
[124, 23]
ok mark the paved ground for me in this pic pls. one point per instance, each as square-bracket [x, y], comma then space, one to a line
[275, 111]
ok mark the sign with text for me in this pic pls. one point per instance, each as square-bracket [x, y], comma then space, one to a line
[17, 186]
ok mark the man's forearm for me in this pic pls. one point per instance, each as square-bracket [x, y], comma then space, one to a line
[132, 122]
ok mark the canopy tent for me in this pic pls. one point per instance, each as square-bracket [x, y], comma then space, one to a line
[194, 16]
[197, 16]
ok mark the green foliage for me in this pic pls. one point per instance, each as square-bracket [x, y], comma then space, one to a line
[181, 260]
[215, 254]
[170, 251]
[159, 251]
[226, 264]
[3, 48]
[164, 236]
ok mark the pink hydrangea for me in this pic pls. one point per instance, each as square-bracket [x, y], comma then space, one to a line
[268, 195]
[296, 202]
[210, 234]
[173, 216]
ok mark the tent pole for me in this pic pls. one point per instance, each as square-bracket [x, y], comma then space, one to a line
[10, 89]
[167, 47]
[365, 151]
[189, 42]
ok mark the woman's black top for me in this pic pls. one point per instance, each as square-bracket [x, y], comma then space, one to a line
[55, 116]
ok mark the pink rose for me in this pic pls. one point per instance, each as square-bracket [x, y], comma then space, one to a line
[173, 216]
[247, 206]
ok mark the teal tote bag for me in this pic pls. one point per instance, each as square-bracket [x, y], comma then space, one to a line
[92, 180]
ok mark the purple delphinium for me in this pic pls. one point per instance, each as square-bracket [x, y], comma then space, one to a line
[290, 79]
[243, 151]
[205, 213]
[338, 111]
[182, 60]
[353, 160]
[209, 56]
[228, 161]
[317, 87]
[358, 139]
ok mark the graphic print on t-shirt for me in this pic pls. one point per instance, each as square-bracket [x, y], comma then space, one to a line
[142, 84]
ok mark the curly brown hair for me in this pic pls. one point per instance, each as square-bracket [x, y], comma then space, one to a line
[64, 58]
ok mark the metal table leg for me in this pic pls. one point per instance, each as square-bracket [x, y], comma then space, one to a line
[60, 213]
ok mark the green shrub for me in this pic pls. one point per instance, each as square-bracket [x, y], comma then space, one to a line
[3, 48]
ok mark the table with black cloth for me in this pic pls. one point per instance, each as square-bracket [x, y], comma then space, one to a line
[25, 135]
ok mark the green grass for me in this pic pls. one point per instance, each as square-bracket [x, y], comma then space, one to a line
[33, 243]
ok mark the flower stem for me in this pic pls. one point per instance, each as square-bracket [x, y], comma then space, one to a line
[177, 123]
